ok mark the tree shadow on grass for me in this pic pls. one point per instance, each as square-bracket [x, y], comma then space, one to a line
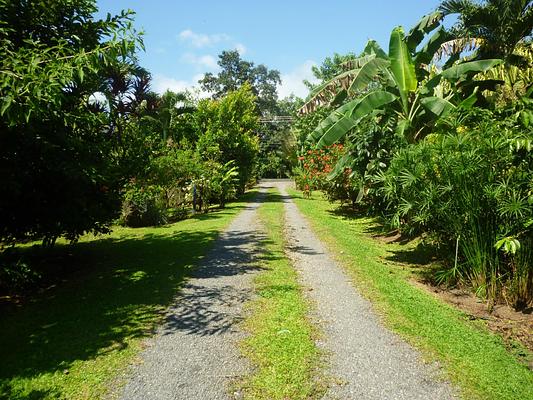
[121, 288]
[419, 258]
[7, 392]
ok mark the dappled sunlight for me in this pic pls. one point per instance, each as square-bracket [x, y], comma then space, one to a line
[117, 289]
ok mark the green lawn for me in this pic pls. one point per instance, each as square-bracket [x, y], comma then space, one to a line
[74, 340]
[473, 358]
[281, 342]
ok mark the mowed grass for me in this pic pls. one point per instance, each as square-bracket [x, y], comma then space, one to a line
[281, 343]
[474, 359]
[71, 342]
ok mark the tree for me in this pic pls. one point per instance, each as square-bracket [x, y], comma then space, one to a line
[168, 108]
[235, 72]
[58, 148]
[227, 131]
[331, 67]
[277, 155]
[496, 25]
[398, 80]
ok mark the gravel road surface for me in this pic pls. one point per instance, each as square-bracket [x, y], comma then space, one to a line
[366, 360]
[194, 354]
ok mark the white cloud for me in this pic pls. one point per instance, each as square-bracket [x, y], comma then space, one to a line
[200, 61]
[241, 48]
[292, 82]
[201, 39]
[162, 83]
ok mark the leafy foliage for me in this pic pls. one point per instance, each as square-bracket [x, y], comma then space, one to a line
[228, 130]
[498, 25]
[470, 188]
[236, 72]
[55, 143]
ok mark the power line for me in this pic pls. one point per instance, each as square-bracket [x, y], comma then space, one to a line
[276, 119]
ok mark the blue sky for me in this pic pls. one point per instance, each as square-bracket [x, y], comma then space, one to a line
[183, 38]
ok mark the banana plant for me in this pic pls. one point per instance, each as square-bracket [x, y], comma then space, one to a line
[398, 82]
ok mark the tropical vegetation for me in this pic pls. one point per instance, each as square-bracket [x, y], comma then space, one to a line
[437, 140]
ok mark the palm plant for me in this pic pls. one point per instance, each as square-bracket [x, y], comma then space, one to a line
[400, 80]
[171, 106]
[496, 25]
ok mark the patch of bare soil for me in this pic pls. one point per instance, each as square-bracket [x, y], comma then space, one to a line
[512, 325]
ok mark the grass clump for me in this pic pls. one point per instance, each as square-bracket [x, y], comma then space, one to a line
[281, 342]
[72, 341]
[474, 359]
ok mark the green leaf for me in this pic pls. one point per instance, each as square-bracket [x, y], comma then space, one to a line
[469, 102]
[358, 62]
[426, 54]
[331, 119]
[426, 24]
[367, 74]
[342, 126]
[525, 118]
[402, 66]
[372, 47]
[6, 102]
[457, 71]
[347, 122]
[437, 105]
[371, 102]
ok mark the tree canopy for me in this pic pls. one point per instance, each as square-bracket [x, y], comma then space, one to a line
[235, 72]
[57, 146]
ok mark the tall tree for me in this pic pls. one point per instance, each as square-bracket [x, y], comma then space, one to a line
[228, 128]
[497, 25]
[57, 147]
[235, 72]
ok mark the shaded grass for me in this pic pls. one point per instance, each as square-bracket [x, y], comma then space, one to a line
[473, 358]
[281, 342]
[72, 341]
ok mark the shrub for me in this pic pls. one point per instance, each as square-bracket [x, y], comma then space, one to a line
[143, 205]
[471, 189]
[315, 166]
[217, 185]
[15, 272]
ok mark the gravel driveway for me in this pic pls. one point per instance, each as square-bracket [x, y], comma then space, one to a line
[194, 354]
[366, 360]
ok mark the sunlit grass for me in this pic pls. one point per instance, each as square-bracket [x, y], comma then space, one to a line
[72, 341]
[473, 358]
[281, 342]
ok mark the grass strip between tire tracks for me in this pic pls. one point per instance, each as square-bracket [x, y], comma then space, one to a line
[475, 359]
[73, 341]
[281, 343]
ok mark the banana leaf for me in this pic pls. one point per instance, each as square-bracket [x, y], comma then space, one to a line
[456, 72]
[343, 124]
[402, 66]
[367, 74]
[437, 105]
[426, 24]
